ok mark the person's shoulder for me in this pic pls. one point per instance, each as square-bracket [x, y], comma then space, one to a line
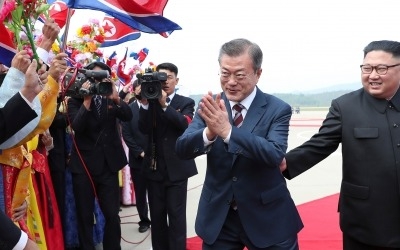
[75, 99]
[184, 98]
[351, 95]
[273, 99]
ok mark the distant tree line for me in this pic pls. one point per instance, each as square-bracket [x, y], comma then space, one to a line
[301, 100]
[311, 100]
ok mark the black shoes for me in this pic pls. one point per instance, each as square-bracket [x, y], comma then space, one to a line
[143, 228]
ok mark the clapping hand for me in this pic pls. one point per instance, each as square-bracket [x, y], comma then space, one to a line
[215, 115]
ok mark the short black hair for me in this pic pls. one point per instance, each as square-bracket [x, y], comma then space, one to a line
[101, 65]
[168, 66]
[391, 47]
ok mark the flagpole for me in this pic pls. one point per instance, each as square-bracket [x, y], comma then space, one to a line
[65, 37]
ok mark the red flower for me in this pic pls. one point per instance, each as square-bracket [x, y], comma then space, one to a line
[99, 53]
[86, 29]
[99, 38]
[74, 53]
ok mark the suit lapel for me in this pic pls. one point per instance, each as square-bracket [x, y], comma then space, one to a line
[255, 112]
[175, 102]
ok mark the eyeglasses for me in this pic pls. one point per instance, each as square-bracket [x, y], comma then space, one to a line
[380, 68]
[225, 76]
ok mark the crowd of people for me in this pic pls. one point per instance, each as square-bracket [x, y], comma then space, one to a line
[61, 155]
[60, 161]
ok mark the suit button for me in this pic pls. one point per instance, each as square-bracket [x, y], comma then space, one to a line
[234, 178]
[395, 125]
[398, 145]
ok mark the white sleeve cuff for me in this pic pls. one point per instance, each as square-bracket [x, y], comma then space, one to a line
[43, 54]
[226, 140]
[23, 240]
[205, 139]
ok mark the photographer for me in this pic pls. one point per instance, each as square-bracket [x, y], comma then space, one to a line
[164, 118]
[97, 157]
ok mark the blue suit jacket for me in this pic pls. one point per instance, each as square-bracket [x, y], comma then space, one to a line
[246, 168]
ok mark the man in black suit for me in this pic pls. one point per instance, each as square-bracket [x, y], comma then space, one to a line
[10, 235]
[137, 142]
[96, 160]
[164, 119]
[366, 123]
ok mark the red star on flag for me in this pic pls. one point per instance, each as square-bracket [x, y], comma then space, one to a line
[107, 28]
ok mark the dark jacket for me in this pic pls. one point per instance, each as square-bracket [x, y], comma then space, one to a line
[15, 114]
[170, 124]
[136, 141]
[369, 132]
[97, 138]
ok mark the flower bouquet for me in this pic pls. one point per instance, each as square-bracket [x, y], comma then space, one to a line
[85, 48]
[20, 17]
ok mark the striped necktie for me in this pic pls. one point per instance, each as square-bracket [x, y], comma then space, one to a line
[238, 117]
[97, 102]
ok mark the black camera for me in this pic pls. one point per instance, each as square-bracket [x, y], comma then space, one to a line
[151, 83]
[73, 83]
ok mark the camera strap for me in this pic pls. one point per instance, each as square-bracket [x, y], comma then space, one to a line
[64, 88]
[153, 156]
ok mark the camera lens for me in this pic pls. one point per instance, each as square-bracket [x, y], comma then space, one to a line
[151, 90]
[104, 88]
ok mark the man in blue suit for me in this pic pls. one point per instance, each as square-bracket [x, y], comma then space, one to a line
[245, 201]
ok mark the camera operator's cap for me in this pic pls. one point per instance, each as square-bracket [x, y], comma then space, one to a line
[101, 65]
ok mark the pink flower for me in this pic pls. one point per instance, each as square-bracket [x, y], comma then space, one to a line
[94, 21]
[8, 7]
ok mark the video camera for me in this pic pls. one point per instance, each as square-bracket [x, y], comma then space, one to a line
[73, 87]
[151, 83]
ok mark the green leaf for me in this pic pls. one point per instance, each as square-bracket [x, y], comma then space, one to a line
[17, 14]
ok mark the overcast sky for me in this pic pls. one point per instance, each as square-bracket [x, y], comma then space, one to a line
[307, 44]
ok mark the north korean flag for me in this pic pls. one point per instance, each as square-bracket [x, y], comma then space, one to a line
[116, 32]
[58, 11]
[134, 13]
[7, 48]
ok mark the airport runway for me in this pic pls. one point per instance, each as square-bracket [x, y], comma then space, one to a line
[320, 181]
